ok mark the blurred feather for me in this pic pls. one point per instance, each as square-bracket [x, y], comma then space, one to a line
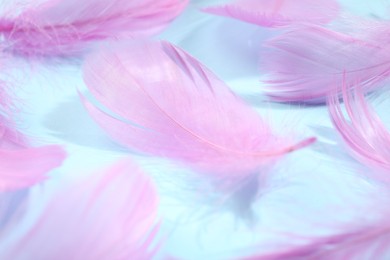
[370, 241]
[67, 27]
[110, 215]
[276, 13]
[26, 167]
[22, 166]
[307, 62]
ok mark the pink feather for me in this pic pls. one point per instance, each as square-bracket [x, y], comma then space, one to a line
[25, 167]
[22, 166]
[110, 215]
[306, 63]
[67, 27]
[362, 130]
[368, 242]
[161, 101]
[276, 13]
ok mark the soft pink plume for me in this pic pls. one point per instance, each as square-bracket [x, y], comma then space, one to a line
[371, 241]
[276, 13]
[22, 166]
[110, 215]
[306, 63]
[25, 167]
[159, 100]
[362, 130]
[67, 27]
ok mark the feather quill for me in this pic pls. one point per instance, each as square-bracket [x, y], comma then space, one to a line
[67, 27]
[157, 99]
[110, 215]
[277, 13]
[306, 63]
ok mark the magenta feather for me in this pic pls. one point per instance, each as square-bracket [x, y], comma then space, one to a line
[362, 130]
[305, 64]
[110, 215]
[276, 13]
[67, 27]
[161, 101]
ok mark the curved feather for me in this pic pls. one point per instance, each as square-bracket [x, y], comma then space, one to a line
[276, 13]
[306, 63]
[22, 166]
[26, 167]
[67, 27]
[362, 130]
[110, 215]
[159, 100]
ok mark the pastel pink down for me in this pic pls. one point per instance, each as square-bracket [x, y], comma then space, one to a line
[276, 13]
[22, 166]
[68, 27]
[161, 101]
[25, 167]
[110, 215]
[367, 242]
[306, 63]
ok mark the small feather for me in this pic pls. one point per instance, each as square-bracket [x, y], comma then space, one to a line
[276, 13]
[159, 100]
[22, 166]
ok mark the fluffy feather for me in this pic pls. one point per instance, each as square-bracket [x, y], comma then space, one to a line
[66, 27]
[159, 100]
[110, 215]
[276, 13]
[306, 63]
[22, 166]
[362, 130]
[369, 242]
[26, 167]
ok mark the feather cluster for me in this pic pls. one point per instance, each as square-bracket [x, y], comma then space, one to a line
[154, 98]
